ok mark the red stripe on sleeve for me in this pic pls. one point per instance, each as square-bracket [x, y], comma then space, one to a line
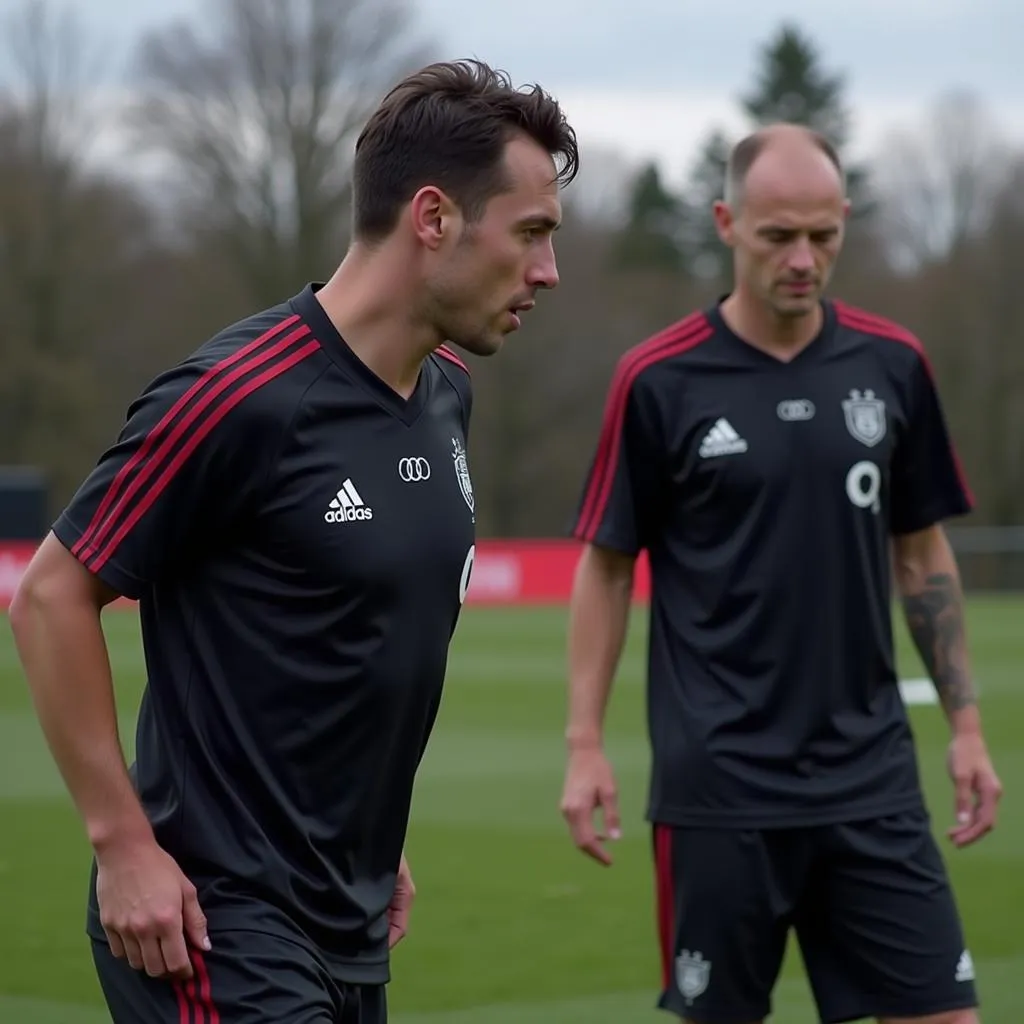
[859, 320]
[675, 340]
[195, 440]
[446, 353]
[210, 394]
[868, 323]
[155, 434]
[205, 1001]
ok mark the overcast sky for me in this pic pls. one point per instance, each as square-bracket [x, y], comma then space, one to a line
[650, 77]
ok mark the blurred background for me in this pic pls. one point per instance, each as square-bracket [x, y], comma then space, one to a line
[169, 166]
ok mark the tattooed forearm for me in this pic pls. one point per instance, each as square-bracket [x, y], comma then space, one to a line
[936, 621]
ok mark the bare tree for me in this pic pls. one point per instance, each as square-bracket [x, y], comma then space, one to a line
[68, 241]
[258, 123]
[46, 126]
[939, 182]
[52, 59]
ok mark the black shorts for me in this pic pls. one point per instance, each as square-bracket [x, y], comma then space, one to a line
[870, 903]
[247, 978]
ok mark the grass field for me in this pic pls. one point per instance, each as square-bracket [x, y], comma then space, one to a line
[511, 924]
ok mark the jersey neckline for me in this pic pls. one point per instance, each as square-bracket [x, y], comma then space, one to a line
[818, 346]
[408, 409]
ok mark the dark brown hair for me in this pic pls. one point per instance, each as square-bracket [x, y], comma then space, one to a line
[748, 149]
[447, 125]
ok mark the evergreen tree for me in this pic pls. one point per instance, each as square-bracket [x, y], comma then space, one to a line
[706, 257]
[650, 238]
[792, 85]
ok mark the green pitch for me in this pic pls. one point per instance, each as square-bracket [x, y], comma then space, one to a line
[511, 923]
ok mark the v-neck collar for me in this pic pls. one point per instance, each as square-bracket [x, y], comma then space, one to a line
[819, 345]
[408, 409]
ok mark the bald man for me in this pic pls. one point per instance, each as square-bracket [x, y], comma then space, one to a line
[768, 453]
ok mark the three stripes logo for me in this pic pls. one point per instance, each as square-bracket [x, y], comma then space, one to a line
[722, 439]
[195, 997]
[347, 506]
[165, 453]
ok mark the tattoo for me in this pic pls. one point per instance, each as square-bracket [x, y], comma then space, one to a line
[936, 621]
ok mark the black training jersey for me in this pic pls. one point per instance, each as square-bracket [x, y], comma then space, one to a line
[300, 540]
[765, 494]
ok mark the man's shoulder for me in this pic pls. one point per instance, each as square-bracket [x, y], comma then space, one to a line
[894, 340]
[451, 368]
[672, 346]
[252, 371]
[455, 373]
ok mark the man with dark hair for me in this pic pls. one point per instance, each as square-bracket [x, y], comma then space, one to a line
[769, 453]
[292, 507]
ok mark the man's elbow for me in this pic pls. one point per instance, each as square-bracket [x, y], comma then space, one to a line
[611, 568]
[919, 556]
[53, 579]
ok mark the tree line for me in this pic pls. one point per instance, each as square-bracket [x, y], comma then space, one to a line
[237, 193]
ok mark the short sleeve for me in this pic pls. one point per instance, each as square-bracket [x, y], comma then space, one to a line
[927, 484]
[621, 499]
[185, 466]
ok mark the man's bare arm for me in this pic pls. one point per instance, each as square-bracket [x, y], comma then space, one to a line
[598, 620]
[928, 581]
[55, 618]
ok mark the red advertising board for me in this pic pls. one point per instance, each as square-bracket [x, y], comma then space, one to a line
[14, 556]
[505, 572]
[531, 572]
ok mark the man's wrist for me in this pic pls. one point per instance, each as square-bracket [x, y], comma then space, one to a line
[583, 739]
[965, 721]
[130, 828]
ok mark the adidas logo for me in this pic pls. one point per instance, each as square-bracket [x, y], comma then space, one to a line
[965, 967]
[721, 439]
[347, 506]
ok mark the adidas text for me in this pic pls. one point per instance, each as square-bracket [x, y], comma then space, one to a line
[347, 515]
[348, 506]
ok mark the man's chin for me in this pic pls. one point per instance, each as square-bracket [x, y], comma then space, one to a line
[485, 345]
[796, 306]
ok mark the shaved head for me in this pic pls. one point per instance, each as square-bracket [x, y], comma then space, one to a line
[783, 216]
[781, 150]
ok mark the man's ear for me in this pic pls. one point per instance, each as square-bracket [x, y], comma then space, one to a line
[725, 222]
[434, 216]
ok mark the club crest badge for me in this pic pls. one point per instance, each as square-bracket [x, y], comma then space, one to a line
[692, 974]
[462, 471]
[865, 417]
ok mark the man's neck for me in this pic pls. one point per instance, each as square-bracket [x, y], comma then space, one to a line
[369, 301]
[757, 325]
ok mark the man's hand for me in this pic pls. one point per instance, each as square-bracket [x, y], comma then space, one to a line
[401, 905]
[589, 785]
[977, 788]
[149, 909]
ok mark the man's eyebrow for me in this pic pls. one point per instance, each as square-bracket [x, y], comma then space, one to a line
[542, 220]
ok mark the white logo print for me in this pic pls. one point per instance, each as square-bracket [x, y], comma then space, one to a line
[863, 485]
[796, 409]
[692, 974]
[722, 439]
[413, 470]
[965, 967]
[865, 417]
[467, 572]
[462, 471]
[347, 506]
